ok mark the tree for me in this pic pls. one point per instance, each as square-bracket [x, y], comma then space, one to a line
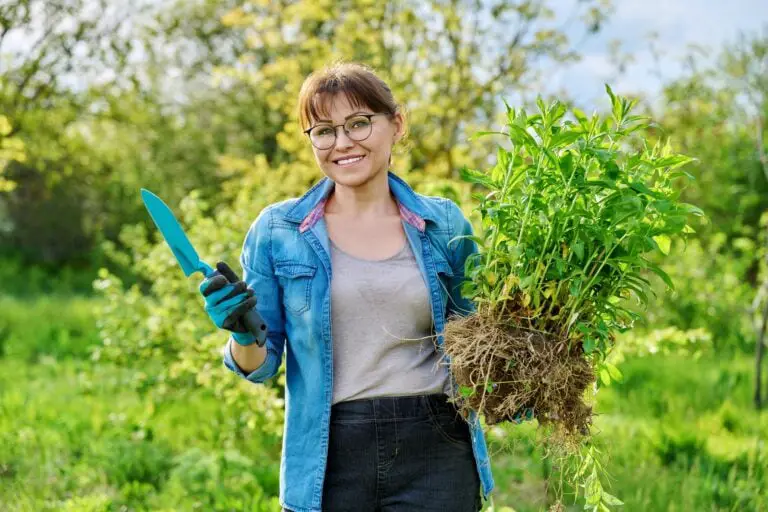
[47, 47]
[448, 62]
[718, 115]
[746, 63]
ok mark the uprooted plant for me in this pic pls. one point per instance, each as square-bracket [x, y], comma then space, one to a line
[573, 212]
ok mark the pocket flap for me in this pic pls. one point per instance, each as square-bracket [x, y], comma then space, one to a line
[293, 269]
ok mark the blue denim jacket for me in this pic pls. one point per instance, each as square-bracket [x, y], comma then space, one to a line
[286, 260]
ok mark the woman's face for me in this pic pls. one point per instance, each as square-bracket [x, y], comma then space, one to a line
[341, 162]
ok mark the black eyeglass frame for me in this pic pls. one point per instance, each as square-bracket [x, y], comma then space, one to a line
[335, 131]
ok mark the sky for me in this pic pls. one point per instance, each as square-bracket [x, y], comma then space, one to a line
[678, 23]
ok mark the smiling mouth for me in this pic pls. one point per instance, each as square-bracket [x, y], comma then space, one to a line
[347, 161]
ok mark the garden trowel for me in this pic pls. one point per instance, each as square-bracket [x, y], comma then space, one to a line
[187, 257]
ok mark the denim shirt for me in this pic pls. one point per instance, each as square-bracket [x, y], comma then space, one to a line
[286, 260]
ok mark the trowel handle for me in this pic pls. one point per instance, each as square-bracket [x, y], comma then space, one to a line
[256, 326]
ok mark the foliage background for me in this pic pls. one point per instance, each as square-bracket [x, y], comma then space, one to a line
[112, 392]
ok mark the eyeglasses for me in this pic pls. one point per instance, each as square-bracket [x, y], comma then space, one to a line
[357, 128]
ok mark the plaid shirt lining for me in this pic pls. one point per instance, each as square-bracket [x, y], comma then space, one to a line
[318, 211]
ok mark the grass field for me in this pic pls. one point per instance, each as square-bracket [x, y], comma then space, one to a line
[679, 434]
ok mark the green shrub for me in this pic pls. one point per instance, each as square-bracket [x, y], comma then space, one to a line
[219, 480]
[48, 326]
[24, 280]
[679, 446]
[712, 292]
[125, 461]
[98, 502]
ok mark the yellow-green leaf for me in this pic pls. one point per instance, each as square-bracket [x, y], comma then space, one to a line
[664, 243]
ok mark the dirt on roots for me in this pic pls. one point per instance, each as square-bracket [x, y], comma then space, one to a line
[512, 369]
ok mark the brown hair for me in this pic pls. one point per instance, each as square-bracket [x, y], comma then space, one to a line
[358, 82]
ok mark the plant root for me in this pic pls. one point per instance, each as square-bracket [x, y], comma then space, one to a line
[510, 369]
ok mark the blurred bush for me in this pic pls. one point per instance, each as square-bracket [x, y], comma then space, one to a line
[709, 305]
[47, 327]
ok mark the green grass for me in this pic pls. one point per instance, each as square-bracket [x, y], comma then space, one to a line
[679, 434]
[46, 327]
[77, 435]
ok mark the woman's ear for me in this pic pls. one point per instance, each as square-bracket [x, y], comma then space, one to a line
[399, 122]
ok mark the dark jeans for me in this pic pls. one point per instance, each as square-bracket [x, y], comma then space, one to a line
[400, 454]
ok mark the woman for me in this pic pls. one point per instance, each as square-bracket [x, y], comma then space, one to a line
[354, 280]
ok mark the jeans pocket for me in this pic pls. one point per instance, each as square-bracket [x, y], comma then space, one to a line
[448, 423]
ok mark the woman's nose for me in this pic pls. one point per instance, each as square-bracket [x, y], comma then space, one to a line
[342, 139]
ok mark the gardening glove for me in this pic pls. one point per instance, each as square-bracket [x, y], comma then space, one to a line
[227, 301]
[522, 415]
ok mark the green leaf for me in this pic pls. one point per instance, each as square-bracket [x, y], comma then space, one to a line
[602, 184]
[673, 161]
[638, 291]
[580, 116]
[552, 158]
[510, 110]
[575, 287]
[614, 372]
[589, 345]
[520, 135]
[662, 205]
[466, 391]
[611, 500]
[564, 138]
[605, 377]
[612, 170]
[694, 210]
[663, 275]
[477, 177]
[678, 174]
[664, 243]
[480, 134]
[643, 189]
[578, 250]
[610, 93]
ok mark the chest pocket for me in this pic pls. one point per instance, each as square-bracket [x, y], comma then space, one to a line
[296, 281]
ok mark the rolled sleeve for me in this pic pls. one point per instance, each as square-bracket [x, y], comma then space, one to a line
[267, 370]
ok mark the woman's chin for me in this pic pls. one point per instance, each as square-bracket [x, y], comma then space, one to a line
[351, 177]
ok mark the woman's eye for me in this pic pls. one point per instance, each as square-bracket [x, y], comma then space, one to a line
[323, 131]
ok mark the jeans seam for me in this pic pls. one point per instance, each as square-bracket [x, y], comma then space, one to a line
[378, 454]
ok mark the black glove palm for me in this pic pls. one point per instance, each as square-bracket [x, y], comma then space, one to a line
[227, 300]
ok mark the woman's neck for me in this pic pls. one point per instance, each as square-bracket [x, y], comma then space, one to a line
[372, 199]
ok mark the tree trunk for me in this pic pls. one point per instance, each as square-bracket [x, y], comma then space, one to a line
[759, 351]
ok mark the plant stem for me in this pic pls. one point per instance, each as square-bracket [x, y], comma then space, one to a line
[581, 296]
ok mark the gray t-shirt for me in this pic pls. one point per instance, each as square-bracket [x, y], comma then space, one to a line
[382, 329]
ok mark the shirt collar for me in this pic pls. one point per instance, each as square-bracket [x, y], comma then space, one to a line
[310, 208]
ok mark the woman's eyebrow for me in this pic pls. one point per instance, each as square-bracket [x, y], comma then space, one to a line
[350, 115]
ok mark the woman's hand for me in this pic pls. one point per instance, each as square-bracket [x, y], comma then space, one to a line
[227, 300]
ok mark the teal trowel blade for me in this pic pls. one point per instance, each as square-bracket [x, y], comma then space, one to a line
[174, 235]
